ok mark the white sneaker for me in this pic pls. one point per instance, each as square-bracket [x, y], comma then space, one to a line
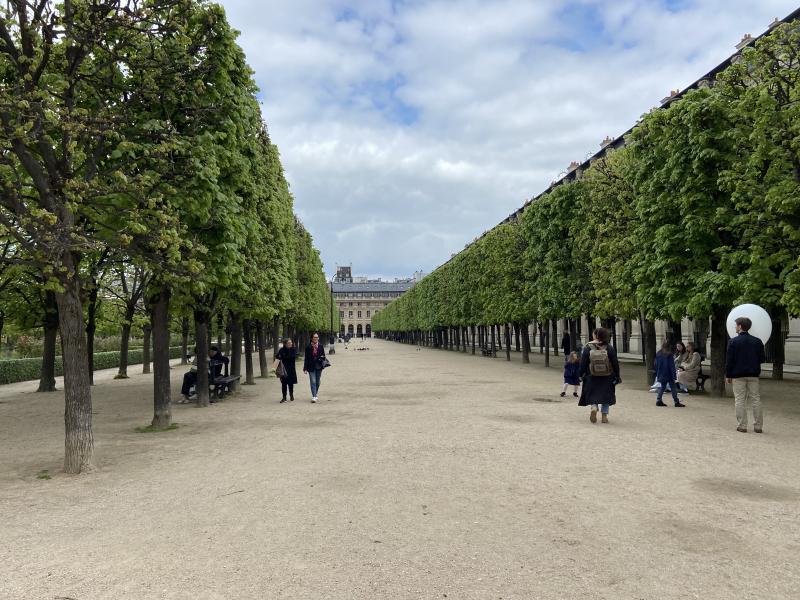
[314, 400]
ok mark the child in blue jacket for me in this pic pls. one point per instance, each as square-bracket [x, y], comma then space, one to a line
[666, 374]
[572, 370]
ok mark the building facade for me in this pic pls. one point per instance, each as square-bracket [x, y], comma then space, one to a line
[358, 299]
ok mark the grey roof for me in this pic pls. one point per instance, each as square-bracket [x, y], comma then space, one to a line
[383, 286]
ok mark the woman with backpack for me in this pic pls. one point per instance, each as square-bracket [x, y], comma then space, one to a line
[600, 373]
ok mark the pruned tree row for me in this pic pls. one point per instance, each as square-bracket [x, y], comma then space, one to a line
[139, 187]
[698, 211]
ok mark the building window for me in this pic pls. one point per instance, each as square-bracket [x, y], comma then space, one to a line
[351, 304]
[368, 314]
[341, 314]
[351, 314]
[359, 314]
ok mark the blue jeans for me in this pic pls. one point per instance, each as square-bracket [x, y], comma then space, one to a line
[316, 378]
[671, 389]
[604, 408]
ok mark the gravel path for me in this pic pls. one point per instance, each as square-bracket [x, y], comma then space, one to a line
[420, 474]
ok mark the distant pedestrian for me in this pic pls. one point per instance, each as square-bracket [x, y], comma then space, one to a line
[572, 370]
[600, 373]
[312, 364]
[742, 368]
[665, 374]
[287, 356]
[566, 345]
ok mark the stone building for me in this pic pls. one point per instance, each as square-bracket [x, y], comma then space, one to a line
[359, 298]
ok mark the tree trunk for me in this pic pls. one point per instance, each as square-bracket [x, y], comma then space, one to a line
[228, 343]
[79, 441]
[554, 326]
[124, 343]
[719, 349]
[275, 335]
[261, 335]
[592, 324]
[546, 342]
[184, 340]
[494, 348]
[235, 321]
[508, 342]
[516, 336]
[201, 324]
[472, 329]
[146, 331]
[526, 344]
[91, 327]
[47, 379]
[778, 341]
[220, 330]
[248, 352]
[159, 315]
[649, 348]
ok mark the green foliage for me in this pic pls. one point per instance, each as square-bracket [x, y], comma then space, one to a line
[697, 213]
[29, 369]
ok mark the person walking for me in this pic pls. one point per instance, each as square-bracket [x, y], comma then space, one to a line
[566, 345]
[666, 374]
[287, 356]
[600, 373]
[572, 369]
[312, 364]
[742, 368]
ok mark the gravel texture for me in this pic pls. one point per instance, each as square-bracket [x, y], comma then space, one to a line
[421, 474]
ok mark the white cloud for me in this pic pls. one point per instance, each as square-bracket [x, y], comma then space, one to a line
[409, 127]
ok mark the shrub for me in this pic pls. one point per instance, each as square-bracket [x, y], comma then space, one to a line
[29, 369]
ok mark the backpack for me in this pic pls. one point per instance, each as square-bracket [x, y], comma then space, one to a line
[599, 362]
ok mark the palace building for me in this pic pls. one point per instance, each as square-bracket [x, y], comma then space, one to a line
[360, 298]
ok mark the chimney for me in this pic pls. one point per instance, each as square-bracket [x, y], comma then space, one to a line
[573, 165]
[672, 95]
[745, 41]
[607, 142]
[775, 23]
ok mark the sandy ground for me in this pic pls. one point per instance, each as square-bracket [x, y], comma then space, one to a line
[421, 474]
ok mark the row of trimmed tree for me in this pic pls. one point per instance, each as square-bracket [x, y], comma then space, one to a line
[135, 164]
[697, 212]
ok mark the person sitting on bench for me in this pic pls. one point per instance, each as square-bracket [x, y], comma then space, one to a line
[216, 359]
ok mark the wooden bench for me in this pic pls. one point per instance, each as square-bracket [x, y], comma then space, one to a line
[486, 352]
[221, 386]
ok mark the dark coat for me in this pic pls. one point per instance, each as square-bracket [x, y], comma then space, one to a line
[566, 345]
[665, 368]
[308, 362]
[596, 389]
[288, 356]
[745, 355]
[572, 373]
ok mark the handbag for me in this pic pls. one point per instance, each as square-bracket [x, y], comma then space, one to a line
[324, 363]
[280, 370]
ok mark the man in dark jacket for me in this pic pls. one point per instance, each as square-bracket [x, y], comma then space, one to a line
[312, 364]
[742, 368]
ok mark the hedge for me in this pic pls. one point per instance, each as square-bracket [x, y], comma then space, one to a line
[29, 369]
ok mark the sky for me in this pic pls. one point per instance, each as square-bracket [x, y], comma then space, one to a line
[409, 127]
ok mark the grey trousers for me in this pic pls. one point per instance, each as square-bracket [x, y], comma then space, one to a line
[745, 391]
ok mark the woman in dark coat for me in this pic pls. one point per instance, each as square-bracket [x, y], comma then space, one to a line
[312, 364]
[287, 355]
[598, 389]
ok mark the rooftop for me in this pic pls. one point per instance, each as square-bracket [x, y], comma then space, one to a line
[374, 286]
